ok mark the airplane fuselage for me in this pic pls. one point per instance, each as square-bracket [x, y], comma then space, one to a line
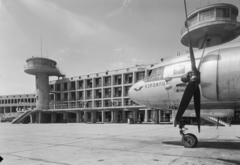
[219, 80]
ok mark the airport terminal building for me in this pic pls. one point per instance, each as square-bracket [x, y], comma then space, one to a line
[99, 97]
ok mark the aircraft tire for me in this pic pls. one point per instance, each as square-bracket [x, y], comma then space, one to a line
[189, 140]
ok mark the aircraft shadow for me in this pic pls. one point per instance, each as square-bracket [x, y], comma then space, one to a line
[215, 145]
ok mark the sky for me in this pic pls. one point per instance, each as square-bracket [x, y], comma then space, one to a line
[88, 36]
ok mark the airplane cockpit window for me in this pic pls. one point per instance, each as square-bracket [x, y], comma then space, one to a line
[149, 73]
[155, 74]
[179, 69]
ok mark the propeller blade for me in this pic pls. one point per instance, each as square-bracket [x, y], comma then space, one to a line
[197, 101]
[187, 96]
[200, 62]
[190, 42]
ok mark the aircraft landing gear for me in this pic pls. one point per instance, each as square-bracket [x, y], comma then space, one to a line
[188, 140]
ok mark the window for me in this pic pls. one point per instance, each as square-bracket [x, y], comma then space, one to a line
[140, 75]
[179, 70]
[206, 15]
[223, 13]
[149, 73]
[155, 74]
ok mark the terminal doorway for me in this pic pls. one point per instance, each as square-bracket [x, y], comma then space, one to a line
[108, 116]
[59, 118]
[99, 116]
[165, 116]
[72, 117]
[141, 116]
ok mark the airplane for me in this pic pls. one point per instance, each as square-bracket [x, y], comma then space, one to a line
[206, 80]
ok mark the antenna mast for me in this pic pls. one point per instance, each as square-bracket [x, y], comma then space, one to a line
[41, 46]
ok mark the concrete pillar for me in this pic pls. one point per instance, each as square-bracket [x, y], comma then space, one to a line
[53, 118]
[42, 91]
[156, 116]
[124, 116]
[65, 117]
[31, 119]
[103, 116]
[38, 117]
[94, 117]
[146, 116]
[135, 116]
[160, 114]
[115, 116]
[10, 109]
[111, 116]
[85, 116]
[79, 117]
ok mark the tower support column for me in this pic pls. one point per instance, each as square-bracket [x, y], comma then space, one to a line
[42, 91]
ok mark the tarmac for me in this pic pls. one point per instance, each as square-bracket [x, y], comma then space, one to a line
[116, 144]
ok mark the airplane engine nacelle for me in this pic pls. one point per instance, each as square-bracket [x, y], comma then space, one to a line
[220, 75]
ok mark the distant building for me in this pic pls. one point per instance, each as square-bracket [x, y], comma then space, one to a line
[11, 106]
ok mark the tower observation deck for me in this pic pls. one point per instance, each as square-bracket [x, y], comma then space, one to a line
[219, 21]
[42, 68]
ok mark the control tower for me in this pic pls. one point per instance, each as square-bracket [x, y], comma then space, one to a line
[218, 20]
[42, 68]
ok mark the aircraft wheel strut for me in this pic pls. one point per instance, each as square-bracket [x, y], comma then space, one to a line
[189, 140]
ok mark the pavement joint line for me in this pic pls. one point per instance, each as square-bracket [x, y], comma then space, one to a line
[144, 152]
[100, 134]
[121, 150]
[173, 161]
[66, 143]
[35, 159]
[55, 145]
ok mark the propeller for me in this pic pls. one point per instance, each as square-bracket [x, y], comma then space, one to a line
[193, 79]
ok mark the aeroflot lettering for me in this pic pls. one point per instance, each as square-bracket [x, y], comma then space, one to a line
[155, 84]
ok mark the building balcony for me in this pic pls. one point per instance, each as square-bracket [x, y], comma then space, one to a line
[98, 85]
[88, 97]
[80, 98]
[128, 82]
[72, 99]
[97, 105]
[117, 95]
[97, 97]
[107, 84]
[107, 96]
[117, 83]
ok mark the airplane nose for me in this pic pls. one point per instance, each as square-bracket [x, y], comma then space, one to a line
[135, 92]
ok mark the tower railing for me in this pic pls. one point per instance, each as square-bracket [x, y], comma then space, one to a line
[209, 18]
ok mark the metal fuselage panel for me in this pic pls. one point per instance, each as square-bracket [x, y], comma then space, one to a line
[164, 88]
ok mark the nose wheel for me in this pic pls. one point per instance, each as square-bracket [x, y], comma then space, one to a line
[188, 140]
